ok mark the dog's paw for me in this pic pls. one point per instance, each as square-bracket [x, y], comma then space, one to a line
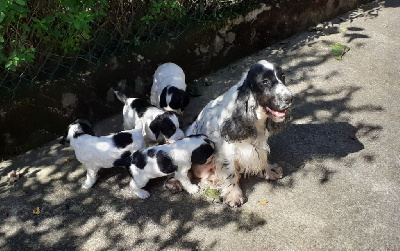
[87, 184]
[143, 194]
[173, 185]
[233, 197]
[192, 189]
[273, 172]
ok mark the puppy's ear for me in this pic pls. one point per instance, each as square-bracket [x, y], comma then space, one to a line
[185, 100]
[168, 128]
[163, 98]
[155, 125]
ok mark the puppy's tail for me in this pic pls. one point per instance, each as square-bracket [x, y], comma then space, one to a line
[121, 96]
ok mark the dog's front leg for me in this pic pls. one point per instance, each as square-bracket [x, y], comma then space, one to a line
[228, 177]
[182, 176]
[91, 177]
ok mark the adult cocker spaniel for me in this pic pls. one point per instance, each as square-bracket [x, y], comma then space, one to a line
[240, 121]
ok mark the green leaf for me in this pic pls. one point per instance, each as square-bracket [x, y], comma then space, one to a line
[1, 39]
[20, 2]
[213, 193]
[2, 15]
[339, 50]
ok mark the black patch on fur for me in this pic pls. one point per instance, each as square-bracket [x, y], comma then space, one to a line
[122, 139]
[240, 125]
[163, 124]
[165, 163]
[151, 153]
[179, 98]
[201, 154]
[84, 129]
[163, 97]
[124, 160]
[141, 106]
[139, 159]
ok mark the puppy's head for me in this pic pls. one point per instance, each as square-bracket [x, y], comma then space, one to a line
[174, 99]
[267, 83]
[167, 124]
[203, 160]
[76, 129]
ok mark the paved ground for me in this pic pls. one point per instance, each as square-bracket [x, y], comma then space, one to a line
[341, 158]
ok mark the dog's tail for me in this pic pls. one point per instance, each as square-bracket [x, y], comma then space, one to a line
[122, 97]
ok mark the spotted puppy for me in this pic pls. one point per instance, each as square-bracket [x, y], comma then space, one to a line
[158, 161]
[169, 88]
[158, 126]
[100, 152]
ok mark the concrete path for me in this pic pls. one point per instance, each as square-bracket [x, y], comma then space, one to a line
[341, 159]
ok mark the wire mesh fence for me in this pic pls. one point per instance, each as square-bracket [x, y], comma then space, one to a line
[42, 40]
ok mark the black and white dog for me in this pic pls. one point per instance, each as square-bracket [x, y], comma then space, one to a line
[240, 121]
[169, 88]
[159, 161]
[100, 152]
[158, 126]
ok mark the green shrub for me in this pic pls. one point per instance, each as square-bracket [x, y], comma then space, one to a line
[58, 26]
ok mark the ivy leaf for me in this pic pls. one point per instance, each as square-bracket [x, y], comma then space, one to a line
[339, 50]
[212, 193]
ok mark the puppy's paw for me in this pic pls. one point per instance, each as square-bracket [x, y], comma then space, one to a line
[173, 185]
[232, 197]
[273, 172]
[87, 184]
[192, 189]
[143, 194]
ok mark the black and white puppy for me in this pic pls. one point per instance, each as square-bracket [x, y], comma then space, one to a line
[158, 126]
[100, 152]
[159, 161]
[169, 88]
[240, 121]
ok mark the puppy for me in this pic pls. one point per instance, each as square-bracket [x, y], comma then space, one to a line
[159, 161]
[158, 126]
[100, 152]
[169, 88]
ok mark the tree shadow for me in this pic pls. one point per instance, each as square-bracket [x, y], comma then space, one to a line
[110, 217]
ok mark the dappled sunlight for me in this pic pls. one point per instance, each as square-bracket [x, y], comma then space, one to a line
[328, 147]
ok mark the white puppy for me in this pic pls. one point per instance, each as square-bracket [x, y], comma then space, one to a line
[169, 88]
[158, 126]
[159, 161]
[100, 152]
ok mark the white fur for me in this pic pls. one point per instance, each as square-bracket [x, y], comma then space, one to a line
[99, 152]
[168, 74]
[180, 153]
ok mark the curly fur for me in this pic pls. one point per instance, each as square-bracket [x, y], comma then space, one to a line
[240, 121]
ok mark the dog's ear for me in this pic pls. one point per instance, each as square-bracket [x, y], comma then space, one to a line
[185, 100]
[240, 125]
[163, 98]
[155, 126]
[64, 140]
[168, 128]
